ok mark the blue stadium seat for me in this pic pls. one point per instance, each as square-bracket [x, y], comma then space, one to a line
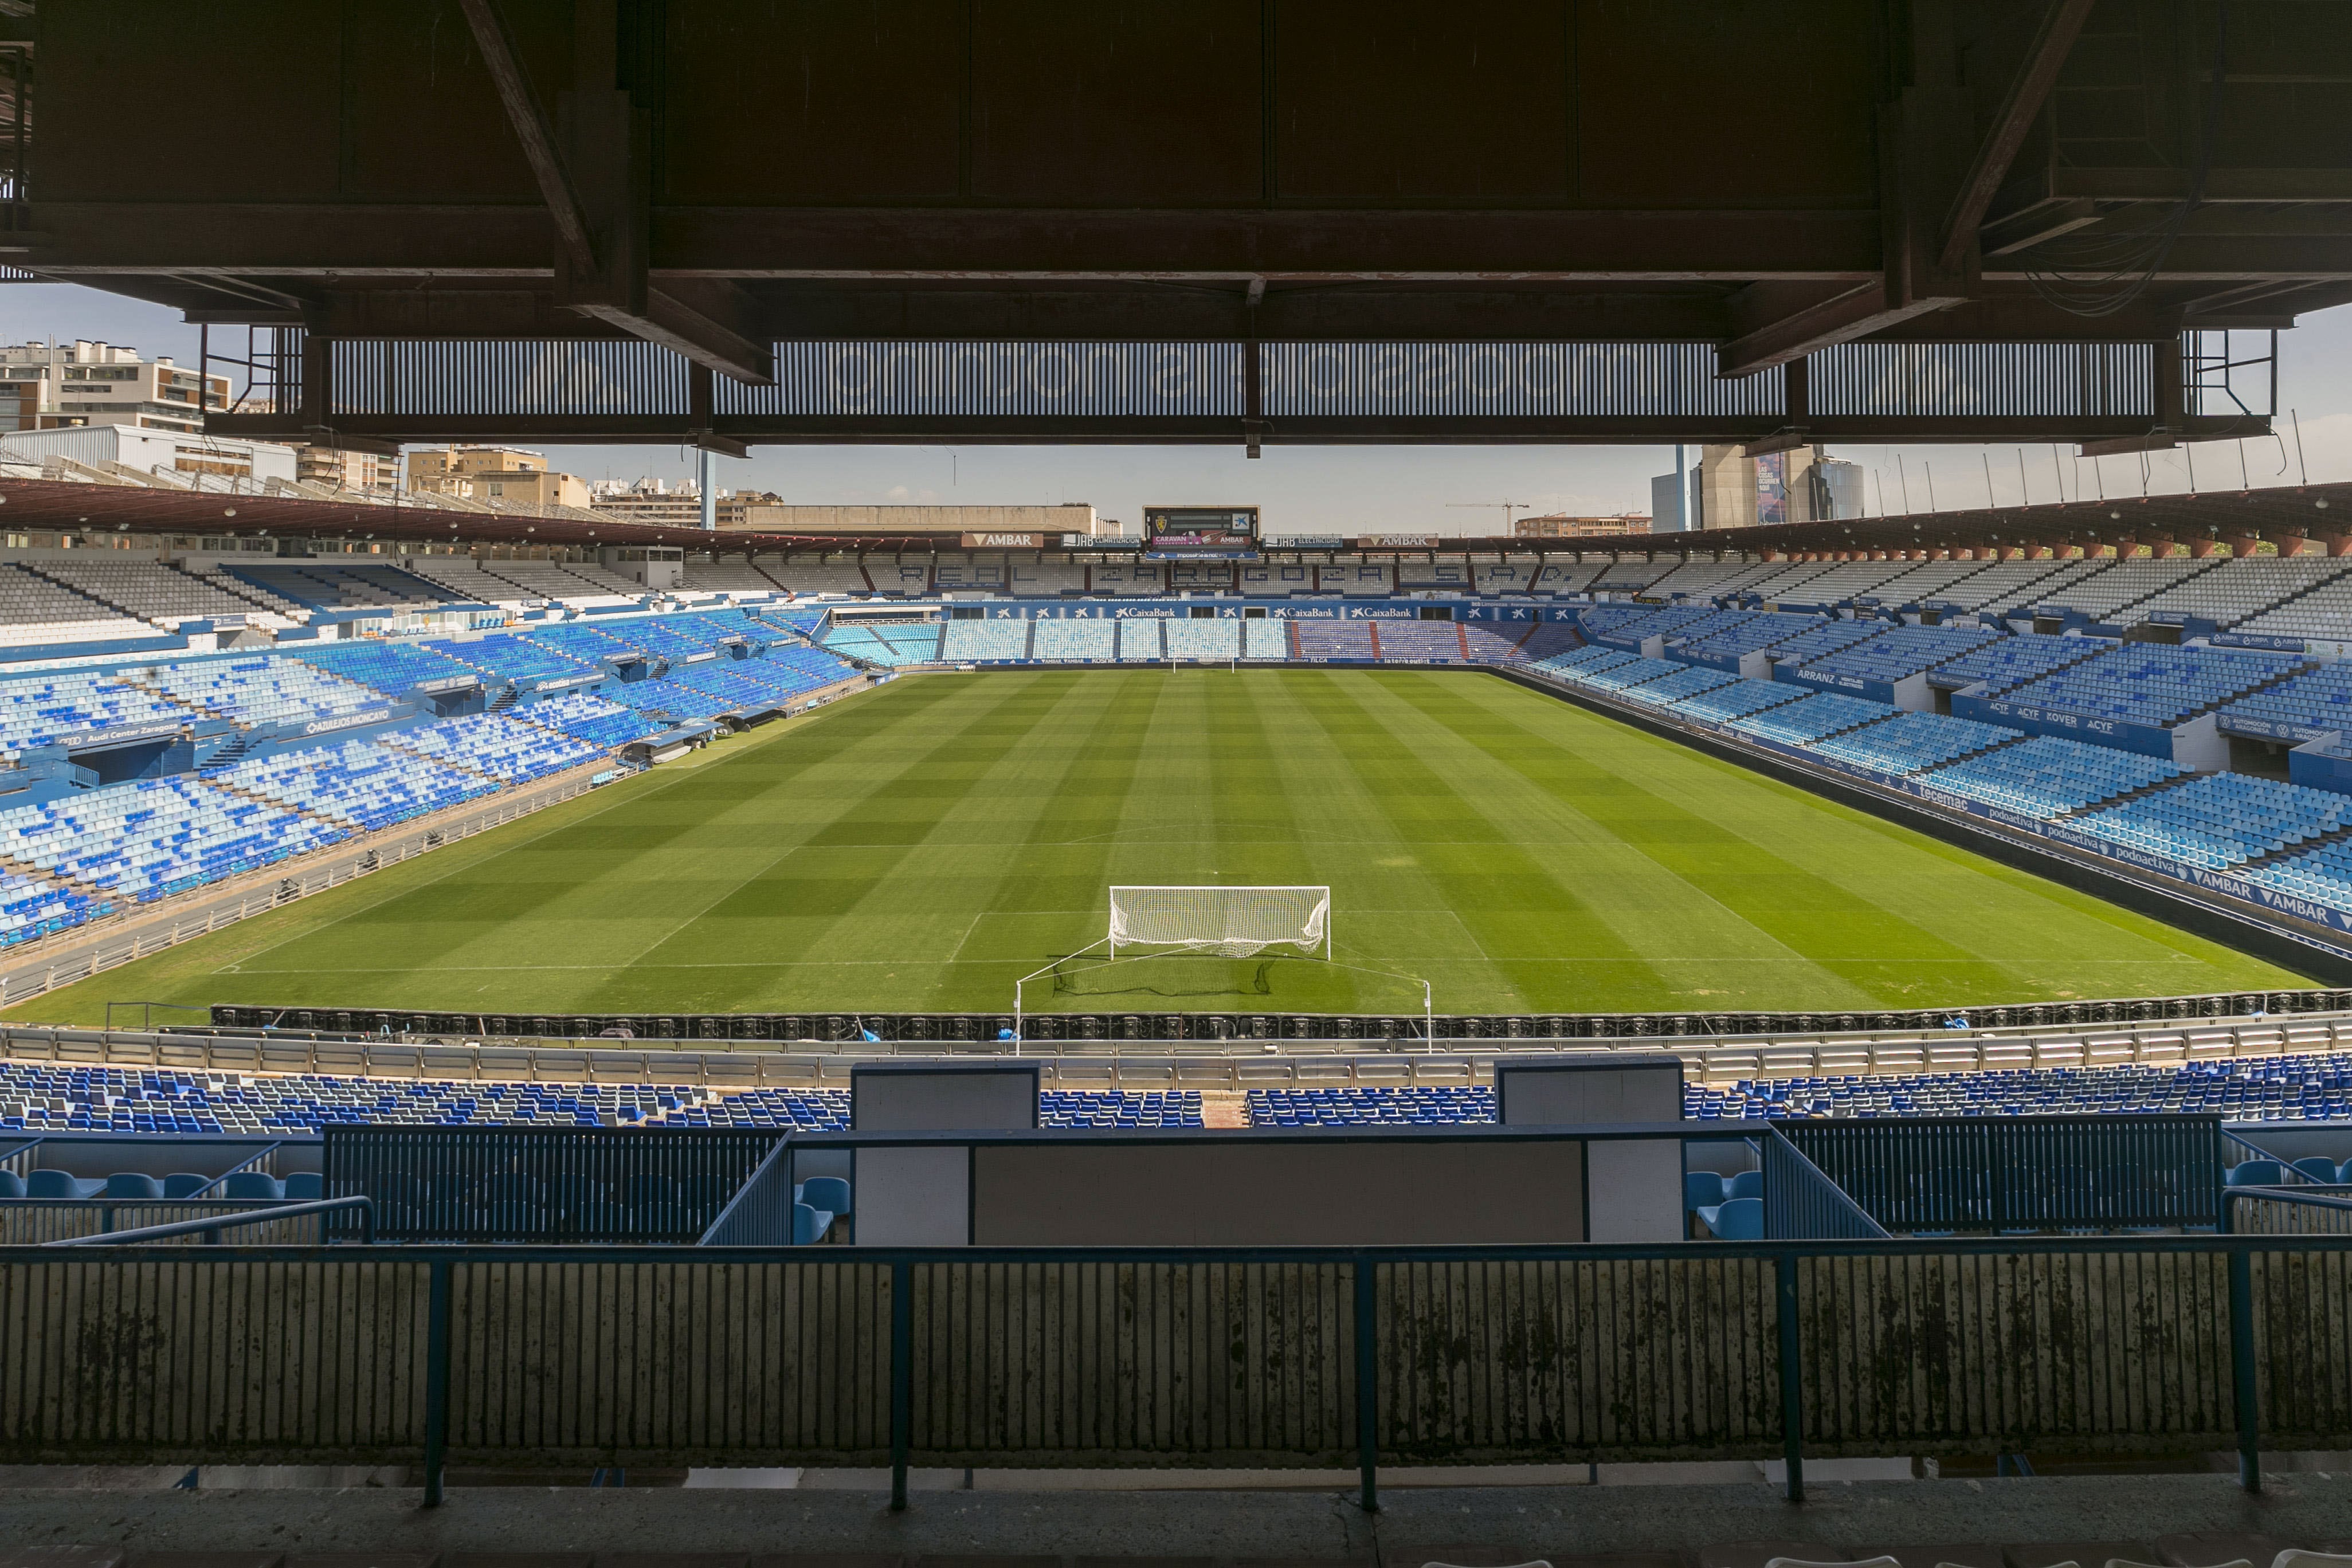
[2255, 1174]
[829, 1194]
[808, 1224]
[47, 1183]
[1702, 1189]
[1736, 1219]
[133, 1185]
[1746, 1185]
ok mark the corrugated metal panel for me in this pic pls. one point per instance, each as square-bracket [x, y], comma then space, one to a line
[2021, 380]
[1513, 1362]
[1068, 379]
[1531, 380]
[2107, 1352]
[681, 1364]
[560, 376]
[1081, 1364]
[139, 1361]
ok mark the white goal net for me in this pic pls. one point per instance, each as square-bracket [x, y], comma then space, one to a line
[1234, 922]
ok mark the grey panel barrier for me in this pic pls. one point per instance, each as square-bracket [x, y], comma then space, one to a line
[579, 1357]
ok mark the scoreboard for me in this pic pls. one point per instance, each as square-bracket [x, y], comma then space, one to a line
[1200, 532]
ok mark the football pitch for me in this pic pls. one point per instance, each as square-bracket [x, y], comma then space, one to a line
[924, 846]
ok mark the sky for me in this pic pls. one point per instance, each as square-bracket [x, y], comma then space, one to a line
[1372, 490]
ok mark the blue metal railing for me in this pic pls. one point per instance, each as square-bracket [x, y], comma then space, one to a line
[2025, 1173]
[488, 1184]
[1802, 1203]
[213, 1225]
[760, 1212]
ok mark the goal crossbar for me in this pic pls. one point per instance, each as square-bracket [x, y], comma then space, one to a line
[1236, 921]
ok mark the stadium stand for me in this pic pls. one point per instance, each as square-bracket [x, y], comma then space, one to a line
[48, 710]
[812, 574]
[2016, 586]
[2324, 613]
[2011, 661]
[887, 645]
[498, 745]
[1913, 743]
[57, 1097]
[1141, 641]
[257, 692]
[2148, 683]
[1902, 652]
[323, 587]
[592, 645]
[462, 578]
[1071, 640]
[1722, 704]
[1494, 645]
[1750, 634]
[1262, 640]
[1708, 579]
[163, 594]
[586, 717]
[1789, 577]
[2278, 1088]
[984, 641]
[1814, 718]
[1686, 680]
[1419, 642]
[740, 577]
[2047, 777]
[1567, 579]
[1819, 641]
[155, 836]
[667, 701]
[1925, 581]
[390, 667]
[363, 784]
[1210, 639]
[2238, 590]
[2219, 819]
[1332, 639]
[2320, 698]
[2104, 595]
[31, 906]
[35, 612]
[512, 657]
[1842, 584]
[1619, 674]
[2322, 874]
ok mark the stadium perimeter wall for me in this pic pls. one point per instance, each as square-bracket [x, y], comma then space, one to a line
[1102, 1065]
[1230, 1357]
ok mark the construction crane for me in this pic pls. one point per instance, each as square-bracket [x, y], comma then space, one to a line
[1508, 507]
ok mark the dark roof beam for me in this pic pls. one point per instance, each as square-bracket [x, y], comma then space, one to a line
[2029, 90]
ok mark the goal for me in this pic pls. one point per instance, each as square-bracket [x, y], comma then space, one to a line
[1234, 921]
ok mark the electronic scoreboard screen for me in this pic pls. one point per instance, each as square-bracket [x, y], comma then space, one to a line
[1214, 531]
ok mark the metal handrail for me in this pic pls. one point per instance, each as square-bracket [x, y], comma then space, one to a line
[256, 1217]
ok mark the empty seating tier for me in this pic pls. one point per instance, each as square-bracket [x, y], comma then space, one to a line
[364, 784]
[2007, 662]
[1902, 652]
[904, 644]
[257, 692]
[157, 836]
[2219, 819]
[584, 716]
[2047, 777]
[2318, 700]
[512, 657]
[496, 745]
[390, 667]
[46, 711]
[1722, 704]
[154, 592]
[1910, 742]
[1814, 718]
[1213, 639]
[2148, 683]
[35, 612]
[984, 642]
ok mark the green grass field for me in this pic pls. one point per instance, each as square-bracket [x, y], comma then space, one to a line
[925, 845]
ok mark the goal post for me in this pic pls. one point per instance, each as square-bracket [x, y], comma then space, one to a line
[1234, 921]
